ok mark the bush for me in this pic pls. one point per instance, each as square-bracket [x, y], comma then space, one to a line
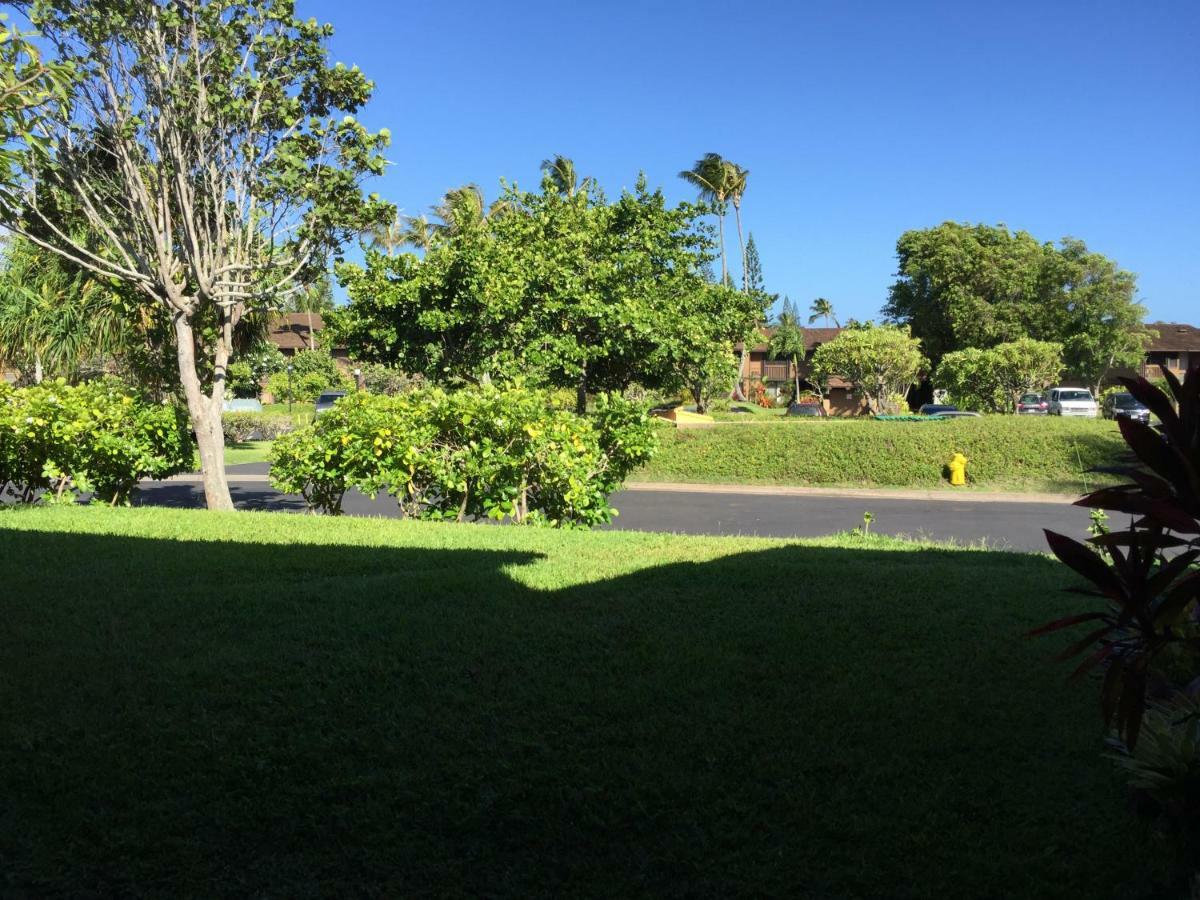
[380, 379]
[254, 426]
[476, 453]
[1033, 452]
[57, 441]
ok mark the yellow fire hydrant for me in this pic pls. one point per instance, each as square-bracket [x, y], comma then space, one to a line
[958, 469]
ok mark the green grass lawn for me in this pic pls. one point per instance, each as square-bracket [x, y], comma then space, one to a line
[247, 452]
[255, 704]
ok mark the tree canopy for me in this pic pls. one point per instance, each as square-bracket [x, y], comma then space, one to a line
[963, 286]
[212, 154]
[994, 379]
[564, 287]
[881, 361]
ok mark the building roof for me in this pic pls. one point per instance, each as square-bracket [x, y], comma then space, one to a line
[289, 331]
[812, 337]
[1174, 336]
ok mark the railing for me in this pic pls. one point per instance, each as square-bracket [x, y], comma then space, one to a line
[776, 371]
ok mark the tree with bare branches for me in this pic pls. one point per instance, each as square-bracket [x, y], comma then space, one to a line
[210, 152]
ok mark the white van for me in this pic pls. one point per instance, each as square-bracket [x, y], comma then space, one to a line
[1068, 401]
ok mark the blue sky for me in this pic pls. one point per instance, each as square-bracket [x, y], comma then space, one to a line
[856, 120]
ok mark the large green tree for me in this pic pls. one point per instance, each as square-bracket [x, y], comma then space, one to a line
[881, 361]
[212, 151]
[565, 288]
[963, 286]
[994, 379]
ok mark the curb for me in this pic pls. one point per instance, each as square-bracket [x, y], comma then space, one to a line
[774, 490]
[758, 490]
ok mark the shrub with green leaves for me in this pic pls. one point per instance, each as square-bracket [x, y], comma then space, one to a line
[476, 453]
[58, 440]
[254, 426]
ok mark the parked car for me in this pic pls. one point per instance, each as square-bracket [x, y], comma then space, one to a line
[326, 400]
[936, 409]
[1125, 406]
[1032, 405]
[1064, 401]
[806, 409]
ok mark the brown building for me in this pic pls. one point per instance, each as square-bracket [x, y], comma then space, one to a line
[293, 332]
[776, 374]
[1177, 347]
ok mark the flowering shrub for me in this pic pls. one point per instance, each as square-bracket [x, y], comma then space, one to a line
[254, 426]
[58, 440]
[476, 453]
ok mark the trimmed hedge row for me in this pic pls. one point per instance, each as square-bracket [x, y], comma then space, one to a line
[1035, 452]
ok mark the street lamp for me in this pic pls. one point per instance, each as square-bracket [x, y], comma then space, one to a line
[289, 371]
[358, 379]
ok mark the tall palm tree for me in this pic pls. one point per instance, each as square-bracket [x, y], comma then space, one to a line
[710, 175]
[736, 182]
[385, 237]
[463, 208]
[418, 232]
[561, 172]
[823, 309]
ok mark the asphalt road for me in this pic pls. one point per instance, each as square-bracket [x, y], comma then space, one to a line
[1000, 524]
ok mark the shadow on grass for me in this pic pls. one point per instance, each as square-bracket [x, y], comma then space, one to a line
[235, 719]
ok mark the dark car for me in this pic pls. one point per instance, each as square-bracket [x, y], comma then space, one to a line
[806, 409]
[1032, 405]
[1124, 406]
[327, 399]
[934, 409]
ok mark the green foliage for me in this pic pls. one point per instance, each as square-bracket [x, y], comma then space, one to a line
[1004, 452]
[261, 360]
[882, 362]
[993, 380]
[312, 372]
[380, 379]
[787, 342]
[474, 453]
[240, 427]
[61, 439]
[966, 286]
[755, 283]
[563, 289]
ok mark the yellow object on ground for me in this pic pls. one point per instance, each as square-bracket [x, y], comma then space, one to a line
[684, 419]
[958, 469]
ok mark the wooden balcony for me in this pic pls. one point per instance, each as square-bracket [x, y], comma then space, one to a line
[776, 371]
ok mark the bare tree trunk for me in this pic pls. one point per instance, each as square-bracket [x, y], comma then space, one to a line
[724, 257]
[205, 414]
[737, 214]
[698, 396]
[38, 375]
[738, 393]
[312, 338]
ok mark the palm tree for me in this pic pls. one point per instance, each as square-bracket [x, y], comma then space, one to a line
[463, 208]
[561, 172]
[52, 319]
[385, 237]
[710, 175]
[736, 182]
[787, 342]
[822, 309]
[418, 232]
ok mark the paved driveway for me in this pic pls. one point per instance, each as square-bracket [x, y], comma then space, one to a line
[1001, 524]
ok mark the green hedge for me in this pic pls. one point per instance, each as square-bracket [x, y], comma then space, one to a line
[1034, 452]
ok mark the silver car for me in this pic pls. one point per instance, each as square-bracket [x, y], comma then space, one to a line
[1067, 401]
